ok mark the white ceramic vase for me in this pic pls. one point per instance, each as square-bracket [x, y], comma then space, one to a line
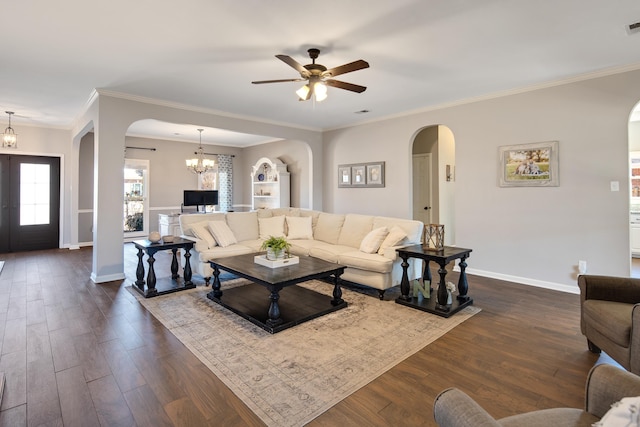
[154, 237]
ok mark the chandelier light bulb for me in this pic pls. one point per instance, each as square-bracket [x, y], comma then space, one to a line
[200, 164]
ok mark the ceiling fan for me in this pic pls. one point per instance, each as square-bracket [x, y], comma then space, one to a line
[318, 77]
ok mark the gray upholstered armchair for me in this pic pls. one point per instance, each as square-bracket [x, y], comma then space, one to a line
[606, 385]
[610, 317]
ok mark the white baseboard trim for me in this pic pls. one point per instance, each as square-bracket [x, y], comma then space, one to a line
[523, 280]
[107, 278]
[74, 247]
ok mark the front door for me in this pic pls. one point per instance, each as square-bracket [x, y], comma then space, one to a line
[29, 203]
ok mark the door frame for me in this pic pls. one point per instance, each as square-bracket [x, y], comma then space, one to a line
[132, 235]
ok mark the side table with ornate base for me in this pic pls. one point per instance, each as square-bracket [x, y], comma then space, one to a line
[153, 286]
[437, 304]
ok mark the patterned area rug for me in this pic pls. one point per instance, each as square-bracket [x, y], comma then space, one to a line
[291, 377]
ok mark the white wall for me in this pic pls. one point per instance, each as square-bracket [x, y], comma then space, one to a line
[532, 235]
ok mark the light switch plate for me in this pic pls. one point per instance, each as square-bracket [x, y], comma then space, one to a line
[615, 185]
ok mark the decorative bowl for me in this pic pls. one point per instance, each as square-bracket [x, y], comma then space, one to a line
[167, 239]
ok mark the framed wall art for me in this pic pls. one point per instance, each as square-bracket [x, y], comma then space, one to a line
[344, 176]
[362, 175]
[358, 176]
[528, 165]
[375, 174]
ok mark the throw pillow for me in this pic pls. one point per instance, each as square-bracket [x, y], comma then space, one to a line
[201, 231]
[624, 413]
[372, 241]
[299, 227]
[222, 233]
[273, 226]
[394, 238]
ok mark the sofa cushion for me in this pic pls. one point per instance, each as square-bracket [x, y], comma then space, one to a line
[299, 228]
[220, 252]
[395, 237]
[273, 226]
[328, 227]
[244, 225]
[371, 262]
[201, 231]
[372, 241]
[354, 228]
[611, 319]
[222, 233]
[302, 247]
[264, 213]
[327, 251]
[411, 227]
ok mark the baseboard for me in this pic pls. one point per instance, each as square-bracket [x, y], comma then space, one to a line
[524, 280]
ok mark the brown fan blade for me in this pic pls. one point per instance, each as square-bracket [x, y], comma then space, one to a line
[346, 68]
[345, 85]
[259, 82]
[294, 64]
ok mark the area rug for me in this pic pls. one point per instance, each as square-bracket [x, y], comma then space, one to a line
[291, 377]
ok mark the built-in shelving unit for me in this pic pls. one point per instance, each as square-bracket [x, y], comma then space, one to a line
[270, 184]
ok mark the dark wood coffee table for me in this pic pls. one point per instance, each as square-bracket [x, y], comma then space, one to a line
[280, 310]
[437, 304]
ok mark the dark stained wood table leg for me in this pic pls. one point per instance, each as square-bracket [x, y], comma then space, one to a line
[426, 274]
[187, 267]
[404, 284]
[442, 289]
[140, 270]
[151, 276]
[463, 285]
[274, 308]
[337, 291]
[215, 287]
[174, 264]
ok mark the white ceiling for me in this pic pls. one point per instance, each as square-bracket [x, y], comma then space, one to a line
[205, 53]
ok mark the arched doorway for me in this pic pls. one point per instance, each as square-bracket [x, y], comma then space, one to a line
[433, 161]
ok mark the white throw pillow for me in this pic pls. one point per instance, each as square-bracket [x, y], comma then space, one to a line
[625, 413]
[222, 233]
[372, 241]
[394, 238]
[299, 227]
[201, 231]
[273, 226]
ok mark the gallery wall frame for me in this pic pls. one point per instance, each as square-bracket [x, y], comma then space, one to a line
[529, 165]
[361, 175]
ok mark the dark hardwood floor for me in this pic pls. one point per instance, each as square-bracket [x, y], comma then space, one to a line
[77, 353]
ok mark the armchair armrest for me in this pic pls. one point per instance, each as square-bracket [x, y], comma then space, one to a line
[607, 384]
[609, 288]
[454, 408]
[200, 245]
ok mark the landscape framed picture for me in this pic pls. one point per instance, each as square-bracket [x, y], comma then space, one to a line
[528, 165]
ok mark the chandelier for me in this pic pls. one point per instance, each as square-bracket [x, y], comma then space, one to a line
[200, 164]
[9, 137]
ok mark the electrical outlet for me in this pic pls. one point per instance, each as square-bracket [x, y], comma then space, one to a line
[582, 267]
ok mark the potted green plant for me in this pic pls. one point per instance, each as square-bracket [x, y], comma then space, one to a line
[277, 247]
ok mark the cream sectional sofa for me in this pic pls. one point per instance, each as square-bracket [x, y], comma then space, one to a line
[351, 240]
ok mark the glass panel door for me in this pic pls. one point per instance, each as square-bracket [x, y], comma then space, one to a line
[136, 192]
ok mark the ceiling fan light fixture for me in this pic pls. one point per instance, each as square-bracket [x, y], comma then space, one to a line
[320, 91]
[303, 92]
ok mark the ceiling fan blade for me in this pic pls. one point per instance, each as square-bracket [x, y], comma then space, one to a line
[259, 82]
[294, 64]
[346, 68]
[346, 86]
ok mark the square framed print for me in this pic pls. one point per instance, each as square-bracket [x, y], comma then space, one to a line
[528, 165]
[358, 176]
[344, 176]
[375, 174]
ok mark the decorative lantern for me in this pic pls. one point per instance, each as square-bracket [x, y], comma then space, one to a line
[434, 236]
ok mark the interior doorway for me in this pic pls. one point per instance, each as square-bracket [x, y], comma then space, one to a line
[433, 174]
[30, 203]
